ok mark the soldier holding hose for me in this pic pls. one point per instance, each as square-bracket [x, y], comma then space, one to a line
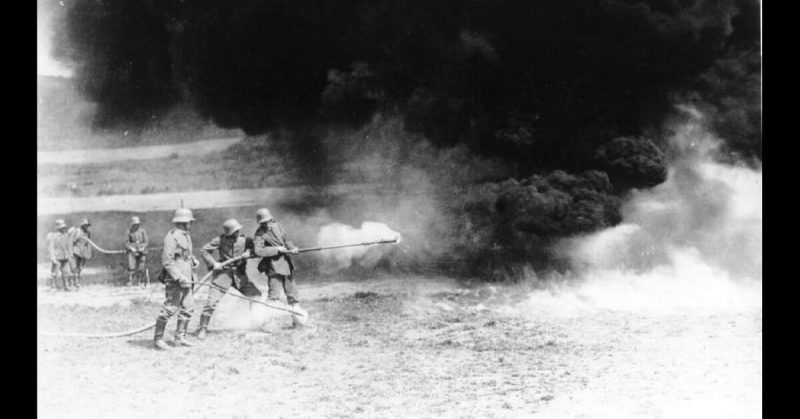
[231, 244]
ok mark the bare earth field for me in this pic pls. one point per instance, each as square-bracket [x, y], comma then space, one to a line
[399, 347]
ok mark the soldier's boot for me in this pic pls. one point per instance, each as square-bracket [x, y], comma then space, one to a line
[64, 280]
[73, 279]
[130, 279]
[158, 337]
[180, 334]
[78, 280]
[201, 331]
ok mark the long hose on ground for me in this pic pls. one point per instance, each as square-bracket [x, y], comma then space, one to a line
[202, 282]
[110, 252]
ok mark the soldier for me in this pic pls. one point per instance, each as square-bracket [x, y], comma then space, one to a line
[179, 277]
[273, 245]
[136, 246]
[60, 250]
[230, 244]
[81, 250]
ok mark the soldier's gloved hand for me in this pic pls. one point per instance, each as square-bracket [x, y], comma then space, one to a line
[294, 250]
[282, 249]
[246, 254]
[217, 266]
[54, 260]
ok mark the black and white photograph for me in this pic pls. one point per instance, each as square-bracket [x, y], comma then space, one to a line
[399, 209]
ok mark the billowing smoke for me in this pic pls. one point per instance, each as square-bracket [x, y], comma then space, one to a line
[561, 103]
[695, 241]
[541, 83]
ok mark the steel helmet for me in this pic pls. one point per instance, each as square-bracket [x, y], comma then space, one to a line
[182, 215]
[135, 220]
[60, 223]
[86, 222]
[263, 215]
[231, 226]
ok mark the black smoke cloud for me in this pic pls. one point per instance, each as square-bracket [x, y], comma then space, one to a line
[545, 81]
[558, 87]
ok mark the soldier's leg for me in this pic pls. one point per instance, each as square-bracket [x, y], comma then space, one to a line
[144, 269]
[247, 288]
[293, 298]
[275, 285]
[172, 301]
[77, 267]
[131, 267]
[184, 315]
[220, 279]
[65, 273]
[290, 289]
[53, 281]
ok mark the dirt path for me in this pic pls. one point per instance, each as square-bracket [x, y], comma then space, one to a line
[110, 155]
[404, 347]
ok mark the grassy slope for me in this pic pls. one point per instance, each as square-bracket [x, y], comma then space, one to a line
[64, 122]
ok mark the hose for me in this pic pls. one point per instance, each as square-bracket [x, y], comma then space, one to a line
[110, 252]
[132, 331]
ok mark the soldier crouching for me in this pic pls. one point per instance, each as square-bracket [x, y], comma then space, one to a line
[231, 244]
[179, 277]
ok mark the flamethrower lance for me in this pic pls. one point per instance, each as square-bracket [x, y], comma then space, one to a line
[314, 249]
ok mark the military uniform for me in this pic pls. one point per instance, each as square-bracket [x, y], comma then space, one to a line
[232, 275]
[277, 266]
[178, 275]
[136, 245]
[60, 250]
[81, 250]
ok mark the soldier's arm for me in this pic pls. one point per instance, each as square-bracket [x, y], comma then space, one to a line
[262, 249]
[168, 258]
[127, 244]
[207, 251]
[145, 239]
[51, 246]
[289, 244]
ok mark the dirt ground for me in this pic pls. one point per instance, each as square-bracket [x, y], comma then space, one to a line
[400, 347]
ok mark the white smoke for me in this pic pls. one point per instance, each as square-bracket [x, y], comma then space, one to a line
[693, 242]
[336, 234]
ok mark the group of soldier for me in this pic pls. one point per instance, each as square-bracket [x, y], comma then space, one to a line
[269, 242]
[69, 249]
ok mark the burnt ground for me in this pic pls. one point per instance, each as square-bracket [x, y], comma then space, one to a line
[400, 347]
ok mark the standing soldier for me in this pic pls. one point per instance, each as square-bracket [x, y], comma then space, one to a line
[273, 245]
[81, 250]
[136, 246]
[230, 244]
[179, 277]
[60, 250]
